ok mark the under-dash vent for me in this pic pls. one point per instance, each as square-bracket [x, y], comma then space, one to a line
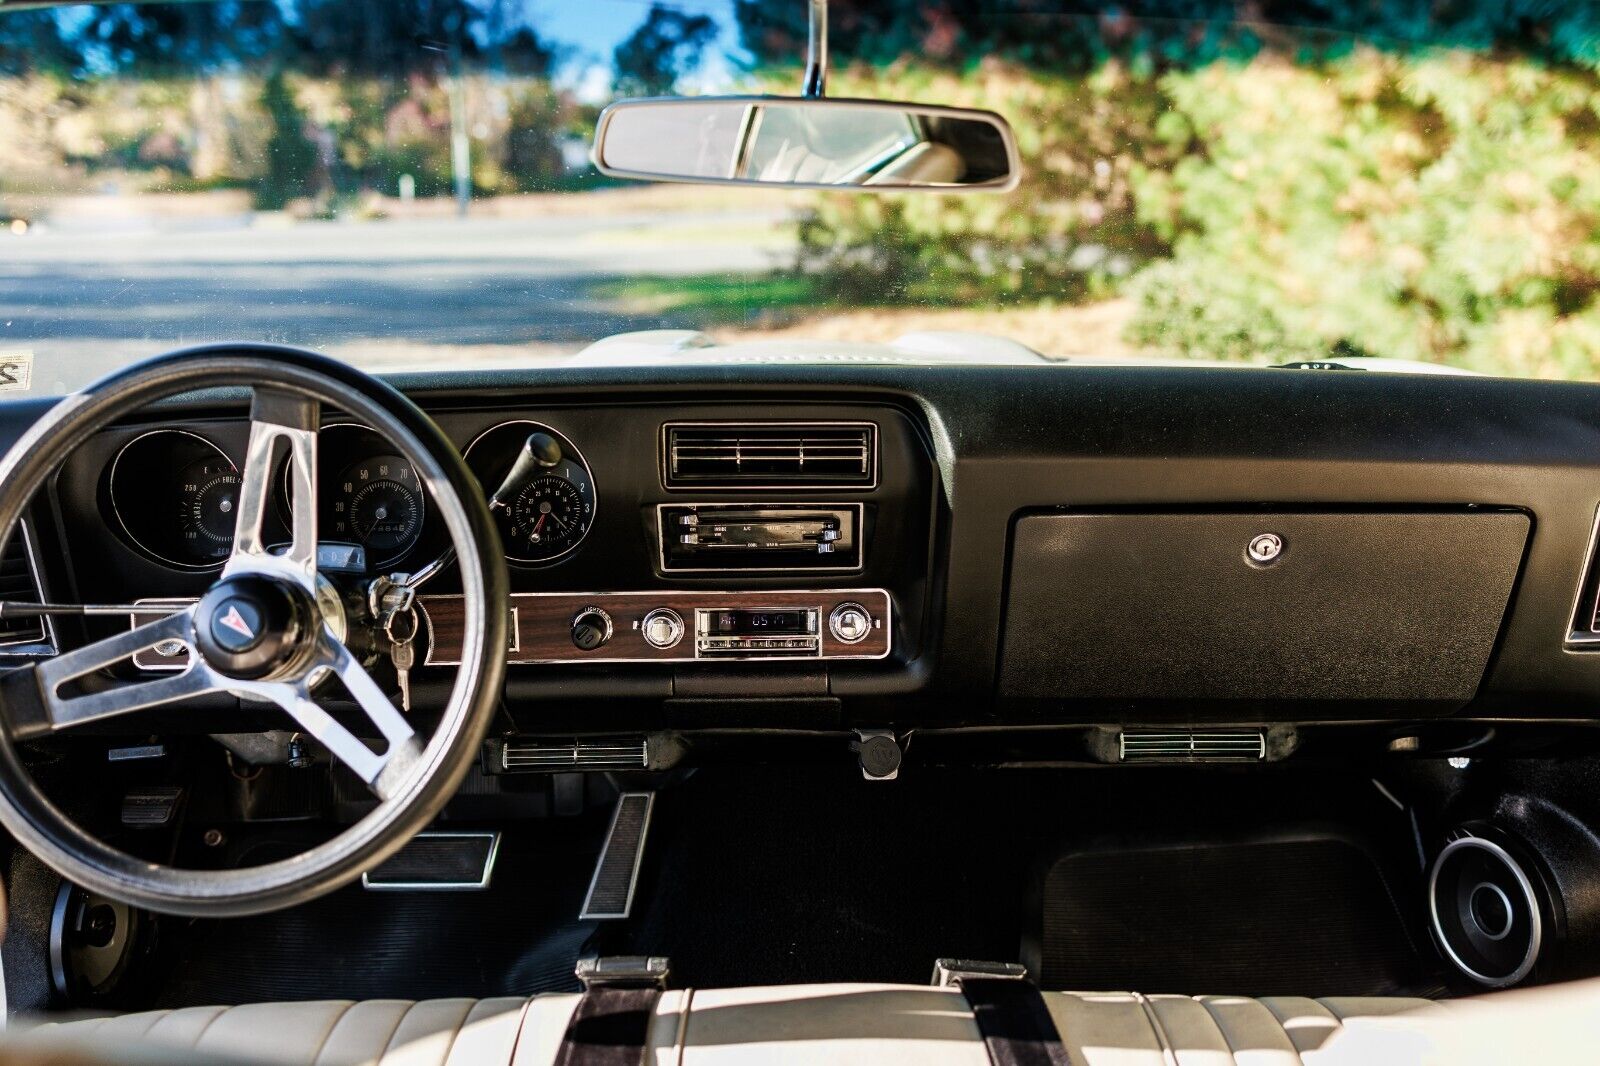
[19, 584]
[1193, 747]
[770, 454]
[550, 754]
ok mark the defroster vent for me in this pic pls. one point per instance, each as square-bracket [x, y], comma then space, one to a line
[749, 455]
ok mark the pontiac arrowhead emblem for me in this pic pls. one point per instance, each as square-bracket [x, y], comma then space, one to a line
[235, 621]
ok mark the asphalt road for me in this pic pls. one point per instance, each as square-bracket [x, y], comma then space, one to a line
[85, 300]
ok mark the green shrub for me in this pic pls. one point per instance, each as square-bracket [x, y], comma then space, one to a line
[1442, 208]
[1438, 206]
[1069, 233]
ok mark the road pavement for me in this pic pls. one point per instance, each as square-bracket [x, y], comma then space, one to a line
[85, 300]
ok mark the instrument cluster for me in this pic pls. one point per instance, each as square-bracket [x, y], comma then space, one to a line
[175, 497]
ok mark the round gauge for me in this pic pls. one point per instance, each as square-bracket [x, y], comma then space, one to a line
[548, 516]
[377, 503]
[539, 488]
[176, 497]
[208, 507]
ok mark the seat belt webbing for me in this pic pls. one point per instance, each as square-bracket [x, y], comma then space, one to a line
[609, 1027]
[1015, 1022]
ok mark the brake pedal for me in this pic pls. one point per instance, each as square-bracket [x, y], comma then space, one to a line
[616, 874]
[438, 861]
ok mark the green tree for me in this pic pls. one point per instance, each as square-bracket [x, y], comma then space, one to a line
[667, 45]
[291, 158]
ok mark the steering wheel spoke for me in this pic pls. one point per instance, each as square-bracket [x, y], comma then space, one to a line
[382, 771]
[38, 696]
[260, 632]
[278, 415]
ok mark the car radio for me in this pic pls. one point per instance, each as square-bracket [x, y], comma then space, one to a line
[757, 631]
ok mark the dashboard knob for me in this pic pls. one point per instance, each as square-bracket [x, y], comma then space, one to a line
[662, 628]
[591, 627]
[850, 623]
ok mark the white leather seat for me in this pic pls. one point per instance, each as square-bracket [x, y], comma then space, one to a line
[882, 1025]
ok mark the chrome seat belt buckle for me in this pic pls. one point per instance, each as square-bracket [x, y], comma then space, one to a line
[624, 971]
[949, 973]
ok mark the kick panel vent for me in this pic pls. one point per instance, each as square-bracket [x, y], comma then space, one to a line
[18, 584]
[770, 454]
[1193, 747]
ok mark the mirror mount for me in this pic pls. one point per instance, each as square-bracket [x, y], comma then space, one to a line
[815, 85]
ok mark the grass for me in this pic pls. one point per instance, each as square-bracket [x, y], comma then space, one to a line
[717, 299]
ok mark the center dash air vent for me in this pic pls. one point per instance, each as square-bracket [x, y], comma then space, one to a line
[1193, 747]
[769, 455]
[20, 584]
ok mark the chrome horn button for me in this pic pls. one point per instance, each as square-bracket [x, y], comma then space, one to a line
[250, 627]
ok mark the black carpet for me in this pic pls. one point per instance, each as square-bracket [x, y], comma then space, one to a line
[1270, 917]
[519, 936]
[773, 875]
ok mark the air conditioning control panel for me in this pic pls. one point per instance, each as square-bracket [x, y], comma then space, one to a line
[672, 627]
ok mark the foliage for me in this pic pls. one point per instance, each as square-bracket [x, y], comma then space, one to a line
[291, 157]
[324, 37]
[1439, 206]
[1068, 233]
[1442, 208]
[665, 46]
[286, 136]
[1074, 38]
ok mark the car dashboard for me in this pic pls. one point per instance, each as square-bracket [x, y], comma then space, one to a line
[1014, 564]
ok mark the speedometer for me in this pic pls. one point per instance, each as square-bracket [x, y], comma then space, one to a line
[378, 504]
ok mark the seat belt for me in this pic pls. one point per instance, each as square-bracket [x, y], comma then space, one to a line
[1011, 1013]
[610, 1026]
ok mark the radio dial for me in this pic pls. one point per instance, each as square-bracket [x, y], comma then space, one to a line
[662, 628]
[850, 623]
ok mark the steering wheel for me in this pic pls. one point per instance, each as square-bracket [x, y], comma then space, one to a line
[261, 632]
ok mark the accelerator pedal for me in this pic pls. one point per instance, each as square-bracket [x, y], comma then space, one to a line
[438, 861]
[616, 874]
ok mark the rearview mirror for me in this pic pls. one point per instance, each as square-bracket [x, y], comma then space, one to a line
[806, 143]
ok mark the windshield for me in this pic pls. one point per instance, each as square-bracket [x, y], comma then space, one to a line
[406, 184]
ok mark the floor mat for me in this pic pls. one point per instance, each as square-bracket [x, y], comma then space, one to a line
[1310, 916]
[775, 874]
[518, 937]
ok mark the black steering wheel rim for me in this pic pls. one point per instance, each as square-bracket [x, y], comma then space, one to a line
[425, 786]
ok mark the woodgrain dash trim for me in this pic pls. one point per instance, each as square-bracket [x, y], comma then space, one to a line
[541, 624]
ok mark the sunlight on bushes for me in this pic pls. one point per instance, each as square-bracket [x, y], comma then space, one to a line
[1441, 207]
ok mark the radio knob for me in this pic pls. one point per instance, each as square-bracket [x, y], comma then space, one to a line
[662, 628]
[850, 623]
[591, 627]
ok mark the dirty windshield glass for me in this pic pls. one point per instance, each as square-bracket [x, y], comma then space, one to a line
[406, 184]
